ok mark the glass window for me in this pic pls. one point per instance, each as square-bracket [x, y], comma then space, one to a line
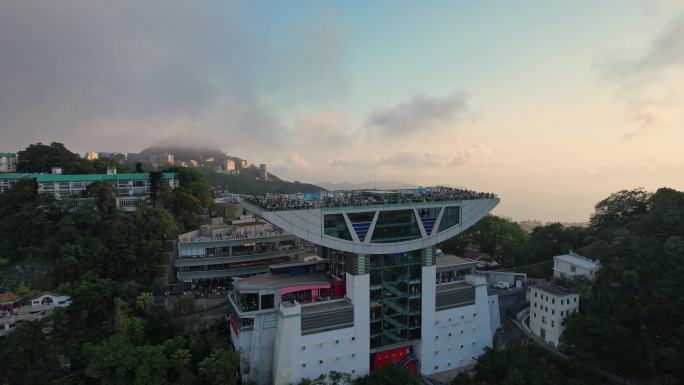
[361, 223]
[267, 301]
[334, 225]
[396, 226]
[450, 217]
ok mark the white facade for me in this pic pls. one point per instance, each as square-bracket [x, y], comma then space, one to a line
[308, 224]
[92, 155]
[455, 337]
[56, 300]
[8, 162]
[344, 350]
[573, 265]
[550, 305]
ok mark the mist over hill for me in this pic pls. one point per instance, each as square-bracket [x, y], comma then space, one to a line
[211, 159]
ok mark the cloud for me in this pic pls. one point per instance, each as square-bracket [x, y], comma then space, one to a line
[644, 83]
[323, 128]
[122, 75]
[421, 113]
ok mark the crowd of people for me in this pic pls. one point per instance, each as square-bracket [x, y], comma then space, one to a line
[275, 202]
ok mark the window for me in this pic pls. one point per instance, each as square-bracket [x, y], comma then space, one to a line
[553, 312]
[535, 294]
[267, 301]
[553, 301]
[395, 226]
[361, 223]
[552, 323]
[572, 269]
[450, 217]
[334, 225]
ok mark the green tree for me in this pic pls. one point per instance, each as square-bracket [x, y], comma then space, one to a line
[220, 368]
[116, 361]
[501, 238]
[27, 349]
[41, 158]
[390, 375]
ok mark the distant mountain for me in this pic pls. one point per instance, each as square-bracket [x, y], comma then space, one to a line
[185, 153]
[247, 182]
[366, 185]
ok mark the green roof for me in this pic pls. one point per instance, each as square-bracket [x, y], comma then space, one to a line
[82, 177]
[7, 155]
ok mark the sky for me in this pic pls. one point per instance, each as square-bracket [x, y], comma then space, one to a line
[553, 105]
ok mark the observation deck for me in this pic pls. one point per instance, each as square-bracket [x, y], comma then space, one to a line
[372, 221]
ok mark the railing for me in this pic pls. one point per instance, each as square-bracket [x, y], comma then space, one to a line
[316, 204]
[233, 237]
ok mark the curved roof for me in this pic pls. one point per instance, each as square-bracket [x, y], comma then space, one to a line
[308, 224]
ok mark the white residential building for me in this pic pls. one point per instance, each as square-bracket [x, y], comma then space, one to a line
[92, 155]
[573, 265]
[550, 305]
[8, 162]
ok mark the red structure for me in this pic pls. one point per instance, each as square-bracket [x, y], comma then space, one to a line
[400, 356]
[338, 288]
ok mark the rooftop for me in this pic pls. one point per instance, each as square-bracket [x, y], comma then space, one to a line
[326, 307]
[224, 232]
[448, 260]
[354, 198]
[578, 260]
[279, 281]
[556, 290]
[459, 285]
[82, 177]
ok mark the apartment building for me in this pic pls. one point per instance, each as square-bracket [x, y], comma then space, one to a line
[550, 305]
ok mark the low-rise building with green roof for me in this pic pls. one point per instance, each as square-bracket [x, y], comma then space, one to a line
[131, 188]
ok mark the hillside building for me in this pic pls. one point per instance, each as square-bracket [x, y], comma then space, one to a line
[550, 305]
[8, 162]
[131, 189]
[263, 171]
[218, 252]
[574, 265]
[379, 295]
[159, 161]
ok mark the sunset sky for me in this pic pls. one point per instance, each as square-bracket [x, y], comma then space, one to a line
[551, 104]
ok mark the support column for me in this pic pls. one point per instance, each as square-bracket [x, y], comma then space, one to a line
[358, 292]
[428, 330]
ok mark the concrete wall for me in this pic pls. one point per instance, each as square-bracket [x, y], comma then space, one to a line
[344, 350]
[547, 315]
[564, 268]
[456, 337]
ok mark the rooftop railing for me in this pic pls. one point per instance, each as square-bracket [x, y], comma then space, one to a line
[278, 203]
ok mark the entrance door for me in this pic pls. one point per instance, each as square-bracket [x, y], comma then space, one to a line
[542, 333]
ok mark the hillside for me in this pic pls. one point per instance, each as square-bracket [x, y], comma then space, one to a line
[245, 183]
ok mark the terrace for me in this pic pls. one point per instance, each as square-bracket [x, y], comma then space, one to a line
[350, 199]
[265, 292]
